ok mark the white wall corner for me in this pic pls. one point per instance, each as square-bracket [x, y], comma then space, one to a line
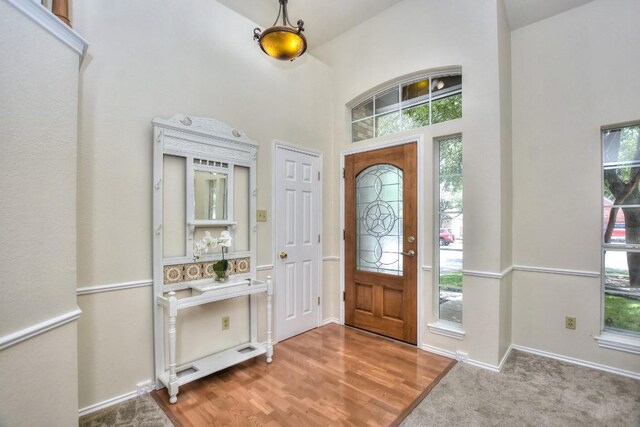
[330, 320]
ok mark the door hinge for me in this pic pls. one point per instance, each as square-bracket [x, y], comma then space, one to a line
[343, 234]
[318, 300]
[318, 238]
[344, 298]
[318, 175]
[344, 173]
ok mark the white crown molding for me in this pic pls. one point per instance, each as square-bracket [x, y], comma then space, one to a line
[581, 273]
[114, 287]
[264, 267]
[37, 329]
[51, 23]
[619, 342]
[331, 258]
[580, 362]
[329, 320]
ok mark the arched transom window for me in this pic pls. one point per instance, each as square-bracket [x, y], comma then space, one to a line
[421, 101]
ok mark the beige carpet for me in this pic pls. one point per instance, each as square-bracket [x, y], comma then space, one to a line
[530, 391]
[142, 411]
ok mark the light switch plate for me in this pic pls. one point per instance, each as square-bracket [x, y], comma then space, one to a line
[261, 215]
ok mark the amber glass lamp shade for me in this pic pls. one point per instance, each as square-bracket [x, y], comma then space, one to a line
[284, 43]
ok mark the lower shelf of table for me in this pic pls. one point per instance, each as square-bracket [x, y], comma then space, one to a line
[216, 362]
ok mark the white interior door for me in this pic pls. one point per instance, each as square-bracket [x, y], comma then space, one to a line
[297, 241]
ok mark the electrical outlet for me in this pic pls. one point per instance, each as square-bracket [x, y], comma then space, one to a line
[261, 215]
[225, 323]
[462, 356]
[144, 387]
[570, 322]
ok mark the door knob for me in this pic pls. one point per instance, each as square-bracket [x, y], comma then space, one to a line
[283, 255]
[409, 253]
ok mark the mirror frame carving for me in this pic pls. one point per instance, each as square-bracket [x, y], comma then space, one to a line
[222, 147]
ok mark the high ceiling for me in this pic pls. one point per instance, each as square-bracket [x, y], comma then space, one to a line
[327, 19]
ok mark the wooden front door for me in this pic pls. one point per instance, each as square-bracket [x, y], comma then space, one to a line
[381, 241]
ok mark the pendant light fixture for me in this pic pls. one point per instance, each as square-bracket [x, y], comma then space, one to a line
[284, 42]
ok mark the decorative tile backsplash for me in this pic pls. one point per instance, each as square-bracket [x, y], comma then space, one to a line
[201, 270]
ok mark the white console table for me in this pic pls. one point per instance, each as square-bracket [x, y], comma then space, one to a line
[214, 171]
[206, 293]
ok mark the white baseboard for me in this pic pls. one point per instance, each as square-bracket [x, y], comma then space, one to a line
[439, 351]
[109, 402]
[580, 362]
[331, 320]
[464, 359]
[504, 358]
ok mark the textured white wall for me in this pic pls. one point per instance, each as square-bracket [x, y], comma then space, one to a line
[417, 35]
[572, 74]
[38, 136]
[158, 58]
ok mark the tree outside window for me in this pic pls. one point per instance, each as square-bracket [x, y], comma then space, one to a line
[621, 228]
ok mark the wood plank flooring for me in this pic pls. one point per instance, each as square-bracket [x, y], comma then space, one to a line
[332, 375]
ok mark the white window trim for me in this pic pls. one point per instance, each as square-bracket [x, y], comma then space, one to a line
[618, 341]
[399, 82]
[608, 338]
[448, 329]
[440, 326]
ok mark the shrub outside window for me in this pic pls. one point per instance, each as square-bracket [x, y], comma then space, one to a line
[419, 102]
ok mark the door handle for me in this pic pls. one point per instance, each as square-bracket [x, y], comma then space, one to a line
[283, 255]
[409, 253]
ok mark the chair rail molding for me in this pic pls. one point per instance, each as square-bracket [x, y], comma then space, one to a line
[548, 270]
[114, 287]
[38, 329]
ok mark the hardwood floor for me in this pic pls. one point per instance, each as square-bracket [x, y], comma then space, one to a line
[332, 375]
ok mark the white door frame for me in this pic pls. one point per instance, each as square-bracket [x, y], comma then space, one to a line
[419, 140]
[276, 144]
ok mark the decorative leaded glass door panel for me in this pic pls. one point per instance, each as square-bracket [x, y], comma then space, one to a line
[380, 241]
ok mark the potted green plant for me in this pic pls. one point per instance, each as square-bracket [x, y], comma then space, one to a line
[221, 267]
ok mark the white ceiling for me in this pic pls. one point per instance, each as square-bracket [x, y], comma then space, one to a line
[323, 19]
[327, 19]
[525, 12]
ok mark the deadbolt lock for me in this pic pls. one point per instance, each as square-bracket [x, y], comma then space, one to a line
[411, 239]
